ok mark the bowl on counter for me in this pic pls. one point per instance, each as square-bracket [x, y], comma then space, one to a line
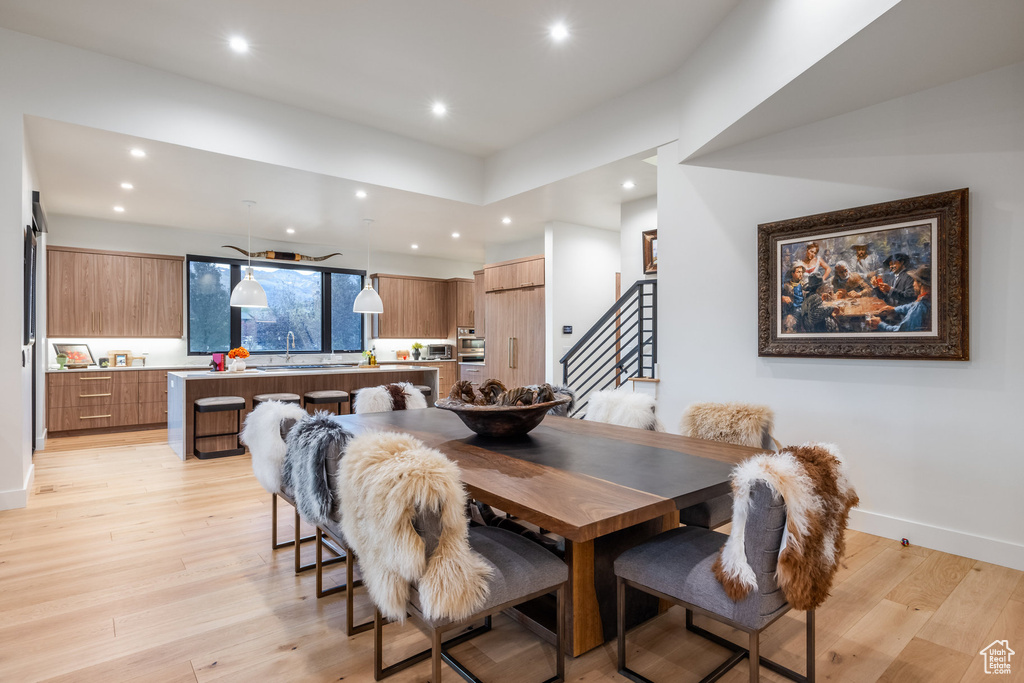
[500, 421]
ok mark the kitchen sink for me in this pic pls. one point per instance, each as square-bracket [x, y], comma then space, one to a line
[282, 368]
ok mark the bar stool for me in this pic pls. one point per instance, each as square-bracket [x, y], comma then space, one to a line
[283, 398]
[217, 404]
[326, 397]
[425, 390]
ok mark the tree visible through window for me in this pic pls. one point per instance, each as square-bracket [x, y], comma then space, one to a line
[209, 309]
[295, 299]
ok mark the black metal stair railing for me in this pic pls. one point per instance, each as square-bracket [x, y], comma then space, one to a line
[622, 344]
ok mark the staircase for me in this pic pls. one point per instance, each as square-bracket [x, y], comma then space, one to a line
[622, 344]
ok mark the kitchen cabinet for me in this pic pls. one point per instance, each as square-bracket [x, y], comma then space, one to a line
[92, 399]
[479, 304]
[447, 375]
[414, 307]
[472, 373]
[517, 274]
[515, 336]
[111, 294]
[465, 305]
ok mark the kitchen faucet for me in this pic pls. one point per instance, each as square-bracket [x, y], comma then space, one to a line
[287, 353]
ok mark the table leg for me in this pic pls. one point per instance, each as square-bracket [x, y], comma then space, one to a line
[583, 617]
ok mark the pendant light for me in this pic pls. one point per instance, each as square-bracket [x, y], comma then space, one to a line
[248, 292]
[368, 300]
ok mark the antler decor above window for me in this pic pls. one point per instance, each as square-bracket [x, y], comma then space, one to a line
[280, 255]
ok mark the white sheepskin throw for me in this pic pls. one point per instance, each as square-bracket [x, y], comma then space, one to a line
[624, 408]
[743, 424]
[262, 435]
[388, 397]
[812, 480]
[386, 479]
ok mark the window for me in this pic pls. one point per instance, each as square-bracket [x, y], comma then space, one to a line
[315, 304]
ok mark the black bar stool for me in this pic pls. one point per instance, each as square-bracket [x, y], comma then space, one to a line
[327, 397]
[425, 390]
[283, 398]
[217, 404]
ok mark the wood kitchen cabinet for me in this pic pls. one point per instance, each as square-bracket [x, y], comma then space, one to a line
[447, 375]
[479, 304]
[111, 294]
[413, 307]
[516, 274]
[515, 336]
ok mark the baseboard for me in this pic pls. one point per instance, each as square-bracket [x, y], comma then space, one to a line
[41, 441]
[18, 498]
[948, 541]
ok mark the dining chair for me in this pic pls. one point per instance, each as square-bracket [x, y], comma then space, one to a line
[741, 424]
[625, 408]
[388, 397]
[677, 566]
[264, 434]
[403, 513]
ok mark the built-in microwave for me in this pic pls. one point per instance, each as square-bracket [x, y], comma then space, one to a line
[471, 350]
[439, 351]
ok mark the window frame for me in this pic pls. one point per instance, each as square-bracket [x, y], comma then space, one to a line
[236, 270]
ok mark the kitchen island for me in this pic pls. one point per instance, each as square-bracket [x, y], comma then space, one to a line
[183, 388]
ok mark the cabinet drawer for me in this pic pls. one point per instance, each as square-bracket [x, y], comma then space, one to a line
[152, 412]
[152, 391]
[147, 376]
[91, 379]
[474, 374]
[92, 417]
[97, 393]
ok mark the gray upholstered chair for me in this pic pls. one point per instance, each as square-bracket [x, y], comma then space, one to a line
[677, 566]
[742, 424]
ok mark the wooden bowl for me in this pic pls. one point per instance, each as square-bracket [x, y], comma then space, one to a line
[500, 421]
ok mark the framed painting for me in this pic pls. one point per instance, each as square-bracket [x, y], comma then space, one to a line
[882, 281]
[650, 252]
[79, 355]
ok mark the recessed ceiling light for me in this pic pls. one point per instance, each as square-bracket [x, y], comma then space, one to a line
[559, 32]
[439, 109]
[415, 246]
[138, 153]
[629, 185]
[361, 194]
[127, 186]
[239, 44]
[119, 209]
[290, 231]
[455, 235]
[506, 220]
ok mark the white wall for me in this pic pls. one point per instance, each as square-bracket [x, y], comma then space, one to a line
[636, 217]
[580, 263]
[932, 446]
[496, 253]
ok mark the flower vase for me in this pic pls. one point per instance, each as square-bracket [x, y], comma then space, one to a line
[237, 365]
[416, 354]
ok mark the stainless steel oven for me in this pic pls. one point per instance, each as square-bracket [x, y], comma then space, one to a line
[470, 347]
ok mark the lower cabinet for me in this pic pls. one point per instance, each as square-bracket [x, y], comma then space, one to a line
[447, 375]
[98, 399]
[472, 373]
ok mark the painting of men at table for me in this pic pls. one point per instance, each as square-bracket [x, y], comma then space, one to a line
[875, 281]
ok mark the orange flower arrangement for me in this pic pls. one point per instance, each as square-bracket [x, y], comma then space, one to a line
[240, 352]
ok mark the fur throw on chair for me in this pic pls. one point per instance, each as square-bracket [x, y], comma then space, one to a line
[262, 435]
[315, 449]
[386, 480]
[625, 408]
[743, 424]
[563, 389]
[812, 481]
[388, 397]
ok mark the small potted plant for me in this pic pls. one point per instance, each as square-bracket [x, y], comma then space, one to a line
[238, 357]
[416, 350]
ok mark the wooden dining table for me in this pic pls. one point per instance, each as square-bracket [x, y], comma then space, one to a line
[603, 488]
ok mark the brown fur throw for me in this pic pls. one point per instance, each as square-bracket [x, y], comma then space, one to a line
[386, 480]
[743, 424]
[812, 480]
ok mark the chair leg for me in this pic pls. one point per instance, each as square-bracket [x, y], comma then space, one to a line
[378, 645]
[755, 657]
[435, 655]
[810, 646]
[273, 522]
[620, 612]
[559, 634]
[298, 546]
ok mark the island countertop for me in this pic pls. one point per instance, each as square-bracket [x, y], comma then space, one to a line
[186, 386]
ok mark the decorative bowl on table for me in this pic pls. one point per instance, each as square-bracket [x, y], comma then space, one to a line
[500, 421]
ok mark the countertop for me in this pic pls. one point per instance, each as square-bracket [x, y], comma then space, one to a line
[388, 367]
[421, 360]
[96, 368]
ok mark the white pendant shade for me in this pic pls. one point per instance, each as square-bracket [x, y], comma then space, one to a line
[250, 293]
[368, 301]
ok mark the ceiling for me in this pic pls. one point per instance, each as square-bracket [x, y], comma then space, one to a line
[81, 169]
[382, 64]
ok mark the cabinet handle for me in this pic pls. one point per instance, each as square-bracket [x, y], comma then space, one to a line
[526, 284]
[91, 395]
[510, 353]
[90, 379]
[94, 417]
[515, 344]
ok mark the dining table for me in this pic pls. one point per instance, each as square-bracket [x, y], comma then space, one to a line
[603, 488]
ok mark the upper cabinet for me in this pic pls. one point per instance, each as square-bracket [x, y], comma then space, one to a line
[413, 307]
[109, 294]
[517, 274]
[479, 304]
[465, 307]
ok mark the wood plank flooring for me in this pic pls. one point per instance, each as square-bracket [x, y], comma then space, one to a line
[130, 565]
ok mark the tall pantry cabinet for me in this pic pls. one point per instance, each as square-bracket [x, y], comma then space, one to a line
[514, 302]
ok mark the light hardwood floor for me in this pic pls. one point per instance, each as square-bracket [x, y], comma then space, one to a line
[129, 565]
